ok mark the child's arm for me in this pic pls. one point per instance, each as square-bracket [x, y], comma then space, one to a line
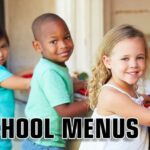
[73, 109]
[16, 83]
[56, 92]
[117, 103]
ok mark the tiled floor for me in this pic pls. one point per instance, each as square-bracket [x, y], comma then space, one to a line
[19, 112]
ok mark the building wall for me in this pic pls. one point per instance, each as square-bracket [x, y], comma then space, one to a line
[135, 12]
[19, 15]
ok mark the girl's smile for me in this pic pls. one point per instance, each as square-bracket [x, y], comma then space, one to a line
[127, 62]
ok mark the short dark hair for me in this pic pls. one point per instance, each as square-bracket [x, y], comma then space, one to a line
[40, 20]
[3, 34]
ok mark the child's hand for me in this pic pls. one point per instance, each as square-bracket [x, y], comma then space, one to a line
[78, 84]
[146, 100]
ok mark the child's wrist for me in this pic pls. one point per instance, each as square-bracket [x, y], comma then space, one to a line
[87, 106]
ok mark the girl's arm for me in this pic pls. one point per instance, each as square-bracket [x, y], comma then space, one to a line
[117, 103]
[73, 110]
[16, 83]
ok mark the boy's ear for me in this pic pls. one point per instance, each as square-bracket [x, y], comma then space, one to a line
[37, 46]
[106, 61]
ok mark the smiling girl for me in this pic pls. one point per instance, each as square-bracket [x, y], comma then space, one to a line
[121, 63]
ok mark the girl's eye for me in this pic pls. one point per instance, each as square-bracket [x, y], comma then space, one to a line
[125, 59]
[4, 46]
[141, 57]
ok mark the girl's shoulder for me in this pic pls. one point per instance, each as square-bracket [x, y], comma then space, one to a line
[110, 92]
[2, 67]
[111, 101]
[4, 71]
[110, 97]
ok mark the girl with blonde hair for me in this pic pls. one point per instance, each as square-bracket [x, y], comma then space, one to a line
[122, 61]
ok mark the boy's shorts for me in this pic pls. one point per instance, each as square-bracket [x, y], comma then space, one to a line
[29, 145]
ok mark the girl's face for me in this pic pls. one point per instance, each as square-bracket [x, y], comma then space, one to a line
[127, 62]
[3, 51]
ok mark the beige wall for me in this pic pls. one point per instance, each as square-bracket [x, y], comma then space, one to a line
[135, 12]
[19, 15]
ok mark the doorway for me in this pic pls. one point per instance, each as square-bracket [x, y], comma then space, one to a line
[2, 23]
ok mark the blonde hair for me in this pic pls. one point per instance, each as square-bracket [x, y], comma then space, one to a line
[101, 74]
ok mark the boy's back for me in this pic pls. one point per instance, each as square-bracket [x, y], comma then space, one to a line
[51, 86]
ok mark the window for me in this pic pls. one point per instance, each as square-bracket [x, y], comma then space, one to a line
[2, 13]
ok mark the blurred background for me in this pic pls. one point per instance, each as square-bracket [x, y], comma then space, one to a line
[88, 21]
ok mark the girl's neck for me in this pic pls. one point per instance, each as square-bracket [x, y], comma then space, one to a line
[131, 89]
